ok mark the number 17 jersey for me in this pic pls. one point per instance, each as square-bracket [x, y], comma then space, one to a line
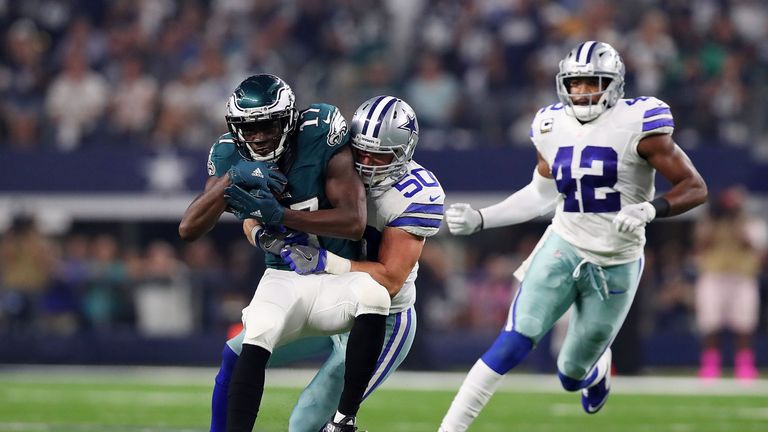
[598, 171]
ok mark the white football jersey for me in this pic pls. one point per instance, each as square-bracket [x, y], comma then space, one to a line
[598, 171]
[413, 204]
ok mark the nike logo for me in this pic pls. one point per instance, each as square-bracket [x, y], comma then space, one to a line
[304, 255]
[433, 198]
[327, 119]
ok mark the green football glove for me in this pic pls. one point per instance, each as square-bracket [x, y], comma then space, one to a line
[258, 175]
[257, 204]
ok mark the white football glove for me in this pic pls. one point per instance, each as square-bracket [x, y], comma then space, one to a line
[462, 219]
[634, 216]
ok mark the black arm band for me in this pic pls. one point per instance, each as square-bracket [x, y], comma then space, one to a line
[482, 220]
[663, 209]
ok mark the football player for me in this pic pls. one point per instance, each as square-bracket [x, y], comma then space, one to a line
[405, 205]
[267, 138]
[597, 158]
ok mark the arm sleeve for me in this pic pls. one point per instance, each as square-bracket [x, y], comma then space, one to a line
[539, 197]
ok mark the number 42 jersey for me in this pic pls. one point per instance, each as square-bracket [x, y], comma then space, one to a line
[598, 171]
[415, 205]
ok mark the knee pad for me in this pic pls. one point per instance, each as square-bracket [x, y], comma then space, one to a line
[598, 333]
[372, 297]
[507, 351]
[263, 324]
[573, 384]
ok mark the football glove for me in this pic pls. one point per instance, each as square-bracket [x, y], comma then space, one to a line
[258, 175]
[462, 219]
[272, 240]
[305, 259]
[634, 216]
[257, 204]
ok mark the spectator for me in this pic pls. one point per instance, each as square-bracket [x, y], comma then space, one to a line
[433, 92]
[23, 83]
[730, 244]
[104, 301]
[163, 298]
[133, 106]
[76, 101]
[26, 268]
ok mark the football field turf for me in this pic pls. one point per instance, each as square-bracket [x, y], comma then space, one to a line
[176, 400]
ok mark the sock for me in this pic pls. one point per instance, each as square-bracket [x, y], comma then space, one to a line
[246, 388]
[593, 377]
[710, 363]
[601, 367]
[363, 348]
[220, 388]
[478, 387]
[744, 363]
[507, 351]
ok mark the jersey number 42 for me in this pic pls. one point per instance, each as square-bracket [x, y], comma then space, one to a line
[591, 191]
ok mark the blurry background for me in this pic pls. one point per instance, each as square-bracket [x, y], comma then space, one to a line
[108, 110]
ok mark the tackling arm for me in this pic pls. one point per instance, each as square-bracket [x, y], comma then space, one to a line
[398, 253]
[347, 196]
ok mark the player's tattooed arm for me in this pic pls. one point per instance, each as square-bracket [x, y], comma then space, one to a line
[345, 191]
[205, 210]
[688, 187]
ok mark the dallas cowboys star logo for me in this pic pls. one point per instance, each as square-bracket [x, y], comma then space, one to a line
[410, 126]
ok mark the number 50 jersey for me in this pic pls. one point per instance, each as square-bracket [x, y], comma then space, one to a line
[598, 171]
[415, 205]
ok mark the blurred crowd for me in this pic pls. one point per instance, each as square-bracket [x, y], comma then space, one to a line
[99, 281]
[92, 282]
[157, 73]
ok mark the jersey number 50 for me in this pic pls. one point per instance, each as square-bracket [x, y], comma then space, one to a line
[592, 192]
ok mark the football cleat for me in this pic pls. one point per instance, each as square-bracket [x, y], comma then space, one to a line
[593, 398]
[347, 424]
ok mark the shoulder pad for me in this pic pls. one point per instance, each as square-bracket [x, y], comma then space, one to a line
[649, 115]
[417, 203]
[321, 122]
[543, 120]
[222, 156]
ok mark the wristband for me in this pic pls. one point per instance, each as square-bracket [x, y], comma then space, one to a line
[662, 206]
[482, 220]
[337, 265]
[254, 232]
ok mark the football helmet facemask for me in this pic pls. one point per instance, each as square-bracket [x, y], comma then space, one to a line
[381, 126]
[591, 59]
[261, 114]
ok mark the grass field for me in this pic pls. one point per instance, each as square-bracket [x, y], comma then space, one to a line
[176, 400]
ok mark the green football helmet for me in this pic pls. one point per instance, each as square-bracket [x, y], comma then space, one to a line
[261, 114]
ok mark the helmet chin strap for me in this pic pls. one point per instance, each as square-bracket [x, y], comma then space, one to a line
[273, 155]
[587, 113]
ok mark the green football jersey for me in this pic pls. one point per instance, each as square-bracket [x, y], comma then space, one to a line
[321, 131]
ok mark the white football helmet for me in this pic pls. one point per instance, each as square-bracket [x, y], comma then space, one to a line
[384, 125]
[588, 60]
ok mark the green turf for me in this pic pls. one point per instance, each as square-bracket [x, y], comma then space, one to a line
[120, 407]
